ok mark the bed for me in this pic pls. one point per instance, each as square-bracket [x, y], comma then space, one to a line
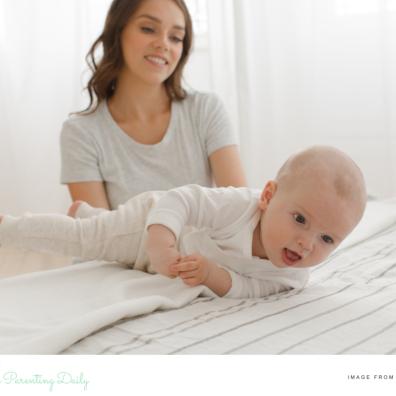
[348, 307]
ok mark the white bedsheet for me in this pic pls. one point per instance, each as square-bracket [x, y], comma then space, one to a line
[349, 306]
[45, 312]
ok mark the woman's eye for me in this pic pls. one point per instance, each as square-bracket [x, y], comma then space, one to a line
[146, 29]
[327, 239]
[299, 218]
[176, 39]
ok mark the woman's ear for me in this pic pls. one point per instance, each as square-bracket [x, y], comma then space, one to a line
[267, 194]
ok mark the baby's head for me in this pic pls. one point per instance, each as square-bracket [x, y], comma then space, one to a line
[316, 200]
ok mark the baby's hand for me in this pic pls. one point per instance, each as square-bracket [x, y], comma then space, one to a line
[161, 249]
[193, 270]
[163, 261]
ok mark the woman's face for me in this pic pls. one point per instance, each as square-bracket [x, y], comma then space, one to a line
[152, 41]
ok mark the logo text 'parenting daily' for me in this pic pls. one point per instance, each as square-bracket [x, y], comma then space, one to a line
[62, 378]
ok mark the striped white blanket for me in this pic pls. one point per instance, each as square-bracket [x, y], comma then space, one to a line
[348, 307]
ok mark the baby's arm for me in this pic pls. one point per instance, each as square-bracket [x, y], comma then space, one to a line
[197, 270]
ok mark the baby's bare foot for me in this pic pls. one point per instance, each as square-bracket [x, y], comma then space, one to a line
[73, 208]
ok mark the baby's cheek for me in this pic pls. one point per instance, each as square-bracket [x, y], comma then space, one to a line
[323, 255]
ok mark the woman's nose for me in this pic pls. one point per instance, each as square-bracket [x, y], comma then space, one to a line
[162, 43]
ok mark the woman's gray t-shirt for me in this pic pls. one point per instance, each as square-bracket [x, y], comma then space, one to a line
[95, 148]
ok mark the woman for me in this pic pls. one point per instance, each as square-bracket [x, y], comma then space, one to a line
[142, 131]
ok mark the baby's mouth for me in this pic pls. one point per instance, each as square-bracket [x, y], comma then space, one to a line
[290, 257]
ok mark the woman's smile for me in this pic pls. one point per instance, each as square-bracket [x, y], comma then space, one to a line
[157, 61]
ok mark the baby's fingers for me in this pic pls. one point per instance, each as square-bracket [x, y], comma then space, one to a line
[185, 266]
[190, 257]
[172, 272]
[188, 275]
[191, 281]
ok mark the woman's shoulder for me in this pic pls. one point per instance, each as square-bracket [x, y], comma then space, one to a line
[200, 98]
[84, 122]
[201, 105]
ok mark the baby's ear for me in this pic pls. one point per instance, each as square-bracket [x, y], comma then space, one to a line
[267, 194]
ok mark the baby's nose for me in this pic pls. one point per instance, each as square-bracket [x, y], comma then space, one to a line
[305, 242]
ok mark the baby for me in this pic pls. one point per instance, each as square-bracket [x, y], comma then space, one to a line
[239, 242]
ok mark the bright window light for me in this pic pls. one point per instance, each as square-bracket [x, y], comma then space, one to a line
[348, 7]
[199, 13]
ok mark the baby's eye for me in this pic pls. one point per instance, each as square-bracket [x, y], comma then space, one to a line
[299, 218]
[327, 239]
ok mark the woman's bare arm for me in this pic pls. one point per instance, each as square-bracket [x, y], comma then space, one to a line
[227, 167]
[94, 193]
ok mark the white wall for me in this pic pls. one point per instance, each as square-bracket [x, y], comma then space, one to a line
[291, 73]
[311, 72]
[42, 48]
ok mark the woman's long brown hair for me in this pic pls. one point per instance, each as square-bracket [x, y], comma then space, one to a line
[102, 84]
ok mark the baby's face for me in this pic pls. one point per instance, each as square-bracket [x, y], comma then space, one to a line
[301, 227]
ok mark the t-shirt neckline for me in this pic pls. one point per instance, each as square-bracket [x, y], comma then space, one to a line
[130, 140]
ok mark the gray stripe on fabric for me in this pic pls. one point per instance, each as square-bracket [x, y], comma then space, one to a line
[338, 326]
[360, 262]
[353, 263]
[307, 320]
[380, 258]
[200, 300]
[386, 271]
[391, 352]
[221, 313]
[259, 319]
[140, 337]
[383, 330]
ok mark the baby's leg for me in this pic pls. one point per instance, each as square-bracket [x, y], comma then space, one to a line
[112, 235]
